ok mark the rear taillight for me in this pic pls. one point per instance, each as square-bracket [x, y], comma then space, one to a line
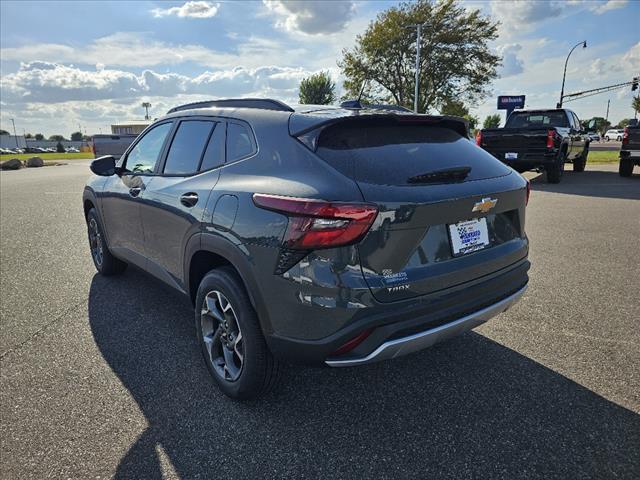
[315, 224]
[526, 201]
[551, 134]
[625, 136]
[479, 138]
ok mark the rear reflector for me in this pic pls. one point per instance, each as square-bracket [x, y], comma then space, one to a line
[317, 224]
[353, 343]
[625, 136]
[479, 138]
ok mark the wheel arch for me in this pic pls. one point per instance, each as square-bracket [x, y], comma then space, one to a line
[205, 252]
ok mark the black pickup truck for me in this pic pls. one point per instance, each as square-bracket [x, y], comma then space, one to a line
[630, 150]
[539, 139]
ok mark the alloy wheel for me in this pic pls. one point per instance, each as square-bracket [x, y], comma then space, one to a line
[222, 336]
[95, 242]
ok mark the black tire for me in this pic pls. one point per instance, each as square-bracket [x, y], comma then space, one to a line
[556, 169]
[106, 264]
[607, 138]
[626, 167]
[581, 162]
[259, 370]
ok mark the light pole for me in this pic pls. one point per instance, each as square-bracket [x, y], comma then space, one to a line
[146, 106]
[15, 135]
[584, 45]
[418, 28]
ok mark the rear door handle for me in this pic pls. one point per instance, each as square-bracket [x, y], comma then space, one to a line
[135, 191]
[189, 199]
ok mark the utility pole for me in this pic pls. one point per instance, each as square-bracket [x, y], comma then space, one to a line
[606, 118]
[15, 135]
[418, 28]
[146, 106]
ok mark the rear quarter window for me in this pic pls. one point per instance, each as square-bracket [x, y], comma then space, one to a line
[390, 154]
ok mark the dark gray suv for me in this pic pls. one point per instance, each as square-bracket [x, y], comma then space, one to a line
[323, 235]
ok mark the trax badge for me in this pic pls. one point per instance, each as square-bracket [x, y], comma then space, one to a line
[485, 205]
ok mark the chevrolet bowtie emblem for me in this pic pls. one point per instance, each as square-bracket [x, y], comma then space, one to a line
[485, 205]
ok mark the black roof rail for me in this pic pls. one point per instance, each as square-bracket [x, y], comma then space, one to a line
[261, 103]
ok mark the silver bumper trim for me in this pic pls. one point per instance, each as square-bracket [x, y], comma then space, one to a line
[418, 341]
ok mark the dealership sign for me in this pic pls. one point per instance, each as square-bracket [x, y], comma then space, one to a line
[510, 102]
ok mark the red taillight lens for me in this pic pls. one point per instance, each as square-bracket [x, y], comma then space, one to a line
[625, 136]
[479, 138]
[551, 138]
[353, 343]
[526, 202]
[318, 224]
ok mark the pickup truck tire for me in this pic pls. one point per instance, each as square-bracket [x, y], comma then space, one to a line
[556, 169]
[581, 162]
[626, 167]
[106, 264]
[243, 369]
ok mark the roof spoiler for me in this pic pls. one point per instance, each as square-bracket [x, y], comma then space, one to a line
[259, 103]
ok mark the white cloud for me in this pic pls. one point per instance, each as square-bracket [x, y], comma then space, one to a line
[131, 49]
[516, 17]
[631, 60]
[43, 82]
[312, 17]
[199, 9]
[511, 64]
[601, 8]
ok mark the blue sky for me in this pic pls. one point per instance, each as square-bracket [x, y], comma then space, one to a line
[64, 64]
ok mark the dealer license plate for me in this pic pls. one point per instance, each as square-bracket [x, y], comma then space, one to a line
[511, 156]
[469, 236]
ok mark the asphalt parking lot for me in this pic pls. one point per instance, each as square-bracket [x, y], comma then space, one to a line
[102, 377]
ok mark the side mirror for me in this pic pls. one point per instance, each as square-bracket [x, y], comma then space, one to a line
[591, 126]
[104, 166]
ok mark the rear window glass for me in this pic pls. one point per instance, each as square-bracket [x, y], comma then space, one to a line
[390, 154]
[239, 143]
[537, 119]
[187, 146]
[214, 154]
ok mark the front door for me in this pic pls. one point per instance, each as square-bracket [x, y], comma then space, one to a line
[124, 193]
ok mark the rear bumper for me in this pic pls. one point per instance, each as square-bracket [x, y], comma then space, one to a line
[403, 319]
[419, 341]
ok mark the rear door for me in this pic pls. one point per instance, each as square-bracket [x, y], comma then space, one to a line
[175, 202]
[437, 227]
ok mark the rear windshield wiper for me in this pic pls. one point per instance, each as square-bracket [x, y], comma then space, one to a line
[456, 174]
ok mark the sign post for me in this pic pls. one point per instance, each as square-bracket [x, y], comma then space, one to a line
[510, 103]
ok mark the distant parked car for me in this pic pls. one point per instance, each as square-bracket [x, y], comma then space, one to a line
[594, 136]
[614, 134]
[72, 150]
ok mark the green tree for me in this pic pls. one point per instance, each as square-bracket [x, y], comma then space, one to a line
[455, 58]
[4, 132]
[28, 135]
[60, 148]
[635, 104]
[39, 136]
[76, 136]
[459, 109]
[623, 123]
[56, 138]
[492, 121]
[318, 89]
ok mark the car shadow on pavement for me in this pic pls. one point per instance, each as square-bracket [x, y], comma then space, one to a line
[466, 408]
[592, 184]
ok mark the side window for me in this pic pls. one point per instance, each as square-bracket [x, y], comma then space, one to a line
[187, 147]
[214, 154]
[144, 155]
[577, 122]
[239, 141]
[572, 120]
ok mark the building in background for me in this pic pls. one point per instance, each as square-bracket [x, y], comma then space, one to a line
[12, 142]
[133, 127]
